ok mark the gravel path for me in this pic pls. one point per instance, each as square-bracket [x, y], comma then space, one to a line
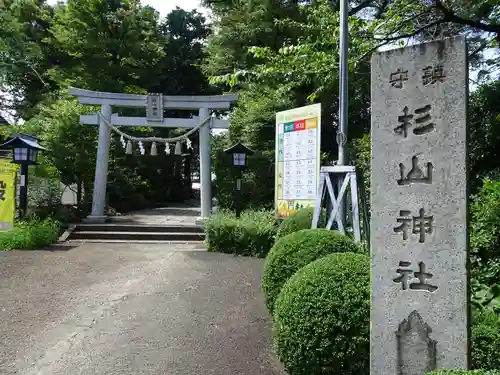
[132, 309]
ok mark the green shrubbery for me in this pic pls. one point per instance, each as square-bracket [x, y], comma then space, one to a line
[485, 246]
[465, 372]
[485, 260]
[486, 340]
[295, 251]
[31, 234]
[251, 234]
[257, 187]
[302, 219]
[307, 328]
[321, 319]
[485, 222]
[321, 315]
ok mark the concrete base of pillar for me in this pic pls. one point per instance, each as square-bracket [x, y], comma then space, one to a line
[95, 219]
[200, 221]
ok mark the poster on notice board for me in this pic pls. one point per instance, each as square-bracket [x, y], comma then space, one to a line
[298, 153]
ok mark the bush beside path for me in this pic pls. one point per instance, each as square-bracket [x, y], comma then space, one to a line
[30, 235]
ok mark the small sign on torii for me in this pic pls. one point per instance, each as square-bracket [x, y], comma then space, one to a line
[154, 111]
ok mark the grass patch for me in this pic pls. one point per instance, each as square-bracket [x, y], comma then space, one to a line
[30, 234]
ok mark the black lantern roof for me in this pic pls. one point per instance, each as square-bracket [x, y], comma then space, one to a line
[239, 148]
[21, 140]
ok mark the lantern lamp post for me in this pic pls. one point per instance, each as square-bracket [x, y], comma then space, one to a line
[239, 157]
[25, 150]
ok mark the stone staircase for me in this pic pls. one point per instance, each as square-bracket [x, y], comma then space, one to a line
[135, 233]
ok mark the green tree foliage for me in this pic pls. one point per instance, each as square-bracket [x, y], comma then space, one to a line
[302, 64]
[113, 45]
[484, 124]
[243, 24]
[24, 55]
[254, 119]
[421, 20]
[105, 45]
[101, 45]
[304, 69]
[239, 26]
[485, 211]
[484, 248]
[184, 34]
[360, 153]
[71, 145]
[219, 142]
[256, 180]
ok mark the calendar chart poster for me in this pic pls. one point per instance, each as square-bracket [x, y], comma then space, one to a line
[298, 133]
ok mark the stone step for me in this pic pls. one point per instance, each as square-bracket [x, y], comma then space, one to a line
[136, 236]
[177, 245]
[145, 228]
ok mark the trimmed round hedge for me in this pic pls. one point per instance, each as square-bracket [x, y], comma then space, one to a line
[302, 219]
[292, 252]
[322, 317]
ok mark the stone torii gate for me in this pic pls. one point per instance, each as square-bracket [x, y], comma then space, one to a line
[154, 104]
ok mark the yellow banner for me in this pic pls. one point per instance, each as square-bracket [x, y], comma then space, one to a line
[7, 194]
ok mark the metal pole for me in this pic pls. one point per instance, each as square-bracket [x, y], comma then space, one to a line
[343, 100]
[23, 190]
[237, 198]
[343, 95]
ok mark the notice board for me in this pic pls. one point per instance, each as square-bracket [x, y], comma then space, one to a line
[298, 135]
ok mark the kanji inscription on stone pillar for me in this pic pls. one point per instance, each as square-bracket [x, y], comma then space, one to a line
[419, 248]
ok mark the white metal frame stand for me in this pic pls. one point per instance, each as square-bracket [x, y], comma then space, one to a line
[346, 175]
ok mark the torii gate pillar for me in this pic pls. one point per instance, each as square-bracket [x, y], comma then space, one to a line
[101, 169]
[205, 168]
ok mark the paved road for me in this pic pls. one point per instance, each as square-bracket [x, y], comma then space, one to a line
[132, 309]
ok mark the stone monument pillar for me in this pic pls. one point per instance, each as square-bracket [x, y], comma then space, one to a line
[419, 313]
